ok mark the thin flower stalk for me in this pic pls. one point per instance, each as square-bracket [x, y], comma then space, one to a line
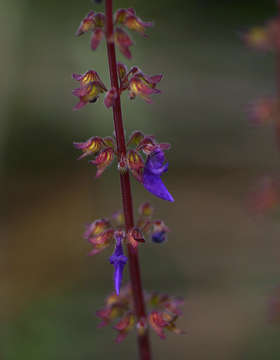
[134, 267]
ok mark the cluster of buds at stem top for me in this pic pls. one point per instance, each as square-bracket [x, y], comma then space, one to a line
[103, 233]
[124, 18]
[164, 310]
[147, 172]
[134, 80]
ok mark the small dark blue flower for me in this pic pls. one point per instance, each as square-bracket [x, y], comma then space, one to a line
[159, 237]
[118, 259]
[153, 169]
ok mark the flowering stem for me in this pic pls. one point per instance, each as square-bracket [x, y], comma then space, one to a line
[134, 269]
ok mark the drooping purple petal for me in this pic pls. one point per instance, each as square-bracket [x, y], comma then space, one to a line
[118, 259]
[153, 169]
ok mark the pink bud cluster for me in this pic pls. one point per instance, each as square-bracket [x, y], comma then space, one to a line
[105, 150]
[123, 19]
[100, 233]
[164, 311]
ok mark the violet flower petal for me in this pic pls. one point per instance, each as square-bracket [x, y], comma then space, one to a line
[153, 169]
[159, 237]
[118, 259]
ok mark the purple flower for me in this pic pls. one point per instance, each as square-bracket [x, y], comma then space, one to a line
[153, 169]
[118, 259]
[159, 237]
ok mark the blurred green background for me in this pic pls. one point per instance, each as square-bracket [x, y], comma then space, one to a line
[224, 261]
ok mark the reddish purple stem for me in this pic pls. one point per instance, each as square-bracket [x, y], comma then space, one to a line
[134, 268]
[277, 126]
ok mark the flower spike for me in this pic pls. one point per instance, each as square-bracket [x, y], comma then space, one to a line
[153, 170]
[118, 259]
[144, 157]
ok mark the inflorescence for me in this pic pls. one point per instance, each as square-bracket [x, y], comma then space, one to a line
[143, 158]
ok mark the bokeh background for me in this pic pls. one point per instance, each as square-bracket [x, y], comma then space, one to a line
[223, 260]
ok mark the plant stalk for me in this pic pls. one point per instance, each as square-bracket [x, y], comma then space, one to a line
[277, 122]
[133, 259]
